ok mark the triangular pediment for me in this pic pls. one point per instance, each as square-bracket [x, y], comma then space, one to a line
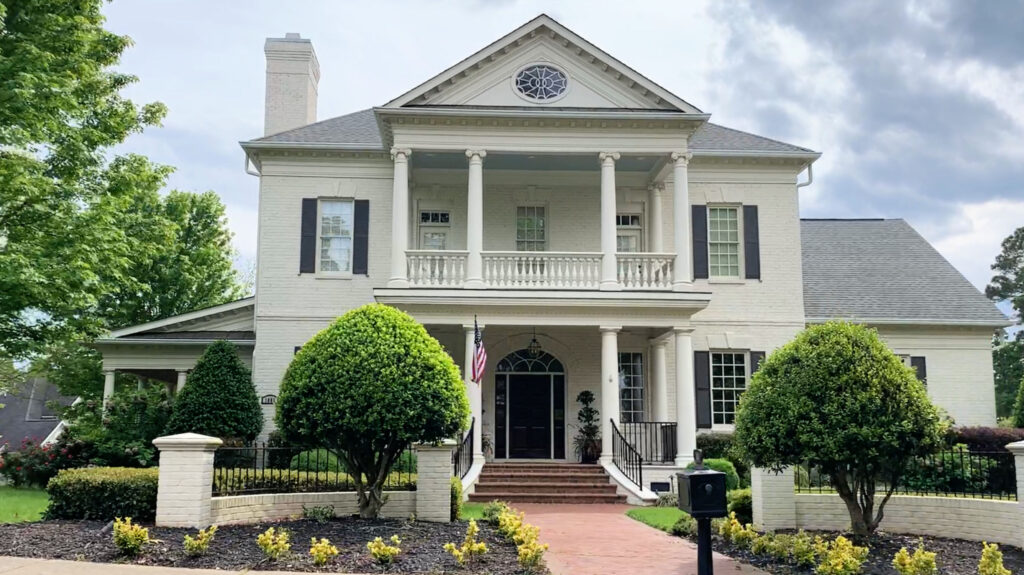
[493, 76]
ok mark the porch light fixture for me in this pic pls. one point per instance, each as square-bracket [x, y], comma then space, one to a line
[534, 348]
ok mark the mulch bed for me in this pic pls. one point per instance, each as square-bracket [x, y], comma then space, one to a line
[954, 556]
[234, 546]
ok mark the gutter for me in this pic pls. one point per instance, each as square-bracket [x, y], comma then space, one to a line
[915, 322]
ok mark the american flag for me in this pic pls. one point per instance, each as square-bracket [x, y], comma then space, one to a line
[479, 354]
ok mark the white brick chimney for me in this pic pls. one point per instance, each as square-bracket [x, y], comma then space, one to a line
[292, 76]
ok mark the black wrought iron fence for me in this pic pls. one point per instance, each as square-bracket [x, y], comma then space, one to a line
[955, 472]
[462, 457]
[263, 468]
[655, 441]
[627, 459]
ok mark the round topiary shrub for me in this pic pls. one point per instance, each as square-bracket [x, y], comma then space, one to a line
[219, 398]
[365, 388]
[732, 479]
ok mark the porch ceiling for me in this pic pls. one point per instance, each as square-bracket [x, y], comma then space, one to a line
[552, 308]
[535, 162]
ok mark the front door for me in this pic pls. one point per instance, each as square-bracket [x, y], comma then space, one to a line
[529, 416]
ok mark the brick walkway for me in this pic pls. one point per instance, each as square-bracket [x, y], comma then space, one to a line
[601, 540]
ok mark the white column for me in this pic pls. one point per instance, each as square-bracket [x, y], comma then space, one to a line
[182, 377]
[185, 481]
[609, 275]
[475, 220]
[659, 380]
[686, 397]
[399, 219]
[657, 242]
[433, 482]
[474, 392]
[108, 385]
[609, 387]
[682, 274]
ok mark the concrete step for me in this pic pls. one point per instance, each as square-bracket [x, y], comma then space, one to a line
[545, 487]
[553, 477]
[586, 498]
[547, 467]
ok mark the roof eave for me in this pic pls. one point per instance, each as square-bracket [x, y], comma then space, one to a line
[800, 155]
[159, 341]
[916, 321]
[611, 114]
[342, 146]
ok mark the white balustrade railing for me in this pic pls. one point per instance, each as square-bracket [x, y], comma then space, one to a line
[645, 271]
[542, 270]
[436, 268]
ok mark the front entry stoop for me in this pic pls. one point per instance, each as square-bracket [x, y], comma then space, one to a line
[545, 483]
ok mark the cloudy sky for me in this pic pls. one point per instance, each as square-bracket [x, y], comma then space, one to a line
[917, 106]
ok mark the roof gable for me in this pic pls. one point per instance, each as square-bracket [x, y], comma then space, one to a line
[228, 317]
[596, 79]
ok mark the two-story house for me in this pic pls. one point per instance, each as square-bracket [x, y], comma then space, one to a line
[605, 235]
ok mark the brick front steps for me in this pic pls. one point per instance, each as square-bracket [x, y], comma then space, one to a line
[545, 483]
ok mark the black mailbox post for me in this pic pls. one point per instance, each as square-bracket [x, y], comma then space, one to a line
[702, 495]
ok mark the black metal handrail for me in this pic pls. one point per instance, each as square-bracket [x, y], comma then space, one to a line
[654, 440]
[462, 457]
[628, 460]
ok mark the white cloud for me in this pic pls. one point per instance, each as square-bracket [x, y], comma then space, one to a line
[972, 247]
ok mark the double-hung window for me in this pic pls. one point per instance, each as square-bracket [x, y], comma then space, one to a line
[336, 222]
[531, 231]
[435, 226]
[629, 233]
[723, 242]
[631, 387]
[728, 381]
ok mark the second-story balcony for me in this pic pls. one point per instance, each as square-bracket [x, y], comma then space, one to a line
[539, 270]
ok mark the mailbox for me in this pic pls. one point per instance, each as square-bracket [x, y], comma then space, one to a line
[702, 493]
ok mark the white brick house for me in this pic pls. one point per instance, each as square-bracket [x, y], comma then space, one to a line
[564, 199]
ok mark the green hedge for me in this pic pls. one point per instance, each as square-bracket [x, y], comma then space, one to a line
[103, 493]
[732, 479]
[741, 502]
[238, 481]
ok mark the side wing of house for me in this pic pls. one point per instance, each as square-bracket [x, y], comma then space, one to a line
[882, 273]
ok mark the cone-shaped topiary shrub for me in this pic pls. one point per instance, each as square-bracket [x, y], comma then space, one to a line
[365, 388]
[219, 398]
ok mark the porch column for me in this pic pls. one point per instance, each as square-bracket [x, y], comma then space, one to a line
[182, 377]
[475, 394]
[108, 385]
[609, 387]
[681, 274]
[475, 220]
[609, 275]
[399, 219]
[659, 380]
[657, 239]
[686, 397]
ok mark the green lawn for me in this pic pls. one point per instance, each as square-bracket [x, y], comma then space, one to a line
[472, 511]
[17, 505]
[658, 517]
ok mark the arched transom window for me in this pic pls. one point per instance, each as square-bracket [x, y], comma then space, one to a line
[522, 362]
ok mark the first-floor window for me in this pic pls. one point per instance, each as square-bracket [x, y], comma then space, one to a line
[631, 387]
[728, 382]
[336, 219]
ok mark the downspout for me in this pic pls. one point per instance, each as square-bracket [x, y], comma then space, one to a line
[810, 177]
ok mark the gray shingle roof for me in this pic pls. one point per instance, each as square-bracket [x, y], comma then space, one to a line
[884, 270]
[361, 128]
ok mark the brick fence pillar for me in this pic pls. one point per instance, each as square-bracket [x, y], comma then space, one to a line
[1017, 449]
[773, 499]
[186, 479]
[433, 482]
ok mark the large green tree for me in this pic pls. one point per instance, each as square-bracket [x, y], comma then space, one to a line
[61, 198]
[838, 398]
[1008, 281]
[1008, 369]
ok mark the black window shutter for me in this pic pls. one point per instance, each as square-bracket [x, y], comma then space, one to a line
[699, 224]
[307, 245]
[751, 243]
[756, 357]
[360, 239]
[918, 363]
[702, 381]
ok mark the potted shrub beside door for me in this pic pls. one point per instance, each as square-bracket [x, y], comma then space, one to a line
[588, 436]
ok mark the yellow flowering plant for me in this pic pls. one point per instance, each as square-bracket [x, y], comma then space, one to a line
[991, 560]
[920, 563]
[839, 557]
[321, 551]
[383, 553]
[129, 538]
[200, 544]
[471, 547]
[274, 543]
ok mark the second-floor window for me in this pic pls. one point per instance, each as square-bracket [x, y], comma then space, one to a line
[434, 228]
[336, 219]
[531, 231]
[723, 241]
[629, 233]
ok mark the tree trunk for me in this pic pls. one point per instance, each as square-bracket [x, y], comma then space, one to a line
[858, 504]
[370, 502]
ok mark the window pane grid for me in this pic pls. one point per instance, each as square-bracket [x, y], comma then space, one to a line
[530, 230]
[723, 242]
[631, 387]
[336, 219]
[728, 381]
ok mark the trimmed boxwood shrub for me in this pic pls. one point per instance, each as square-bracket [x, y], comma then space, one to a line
[103, 493]
[732, 479]
[715, 445]
[219, 398]
[456, 501]
[741, 502]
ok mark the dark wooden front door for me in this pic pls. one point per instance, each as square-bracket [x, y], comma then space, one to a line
[529, 416]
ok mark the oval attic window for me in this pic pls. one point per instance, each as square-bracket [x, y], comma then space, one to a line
[541, 82]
